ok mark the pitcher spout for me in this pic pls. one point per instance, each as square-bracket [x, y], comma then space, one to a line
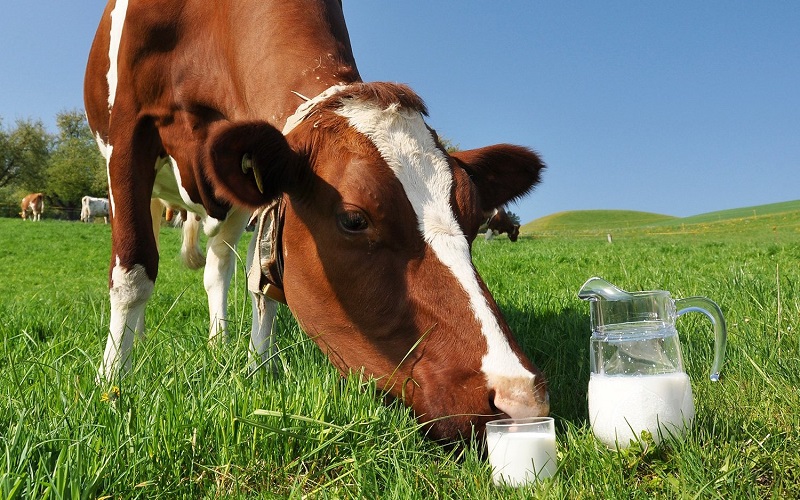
[597, 288]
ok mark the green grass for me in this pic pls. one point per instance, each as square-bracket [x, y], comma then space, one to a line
[189, 422]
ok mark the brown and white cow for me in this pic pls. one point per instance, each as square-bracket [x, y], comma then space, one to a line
[224, 109]
[33, 204]
[500, 222]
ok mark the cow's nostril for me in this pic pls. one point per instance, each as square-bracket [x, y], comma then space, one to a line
[541, 394]
[494, 408]
[545, 399]
[521, 398]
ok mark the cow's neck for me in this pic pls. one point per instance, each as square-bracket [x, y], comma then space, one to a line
[320, 56]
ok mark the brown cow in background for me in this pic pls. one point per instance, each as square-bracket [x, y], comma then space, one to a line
[500, 222]
[33, 203]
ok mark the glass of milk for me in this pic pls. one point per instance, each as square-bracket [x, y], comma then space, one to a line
[521, 451]
[637, 381]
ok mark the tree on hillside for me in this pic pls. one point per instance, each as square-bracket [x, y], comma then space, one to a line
[76, 167]
[24, 152]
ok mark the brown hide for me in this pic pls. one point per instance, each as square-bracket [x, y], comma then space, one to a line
[211, 88]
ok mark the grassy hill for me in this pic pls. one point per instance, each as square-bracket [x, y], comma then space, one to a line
[743, 213]
[771, 217]
[579, 220]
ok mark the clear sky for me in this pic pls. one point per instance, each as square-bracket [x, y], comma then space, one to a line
[678, 107]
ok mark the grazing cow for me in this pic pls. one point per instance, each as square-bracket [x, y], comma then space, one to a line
[499, 222]
[33, 203]
[94, 207]
[228, 109]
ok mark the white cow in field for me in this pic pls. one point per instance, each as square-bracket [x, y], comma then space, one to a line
[94, 207]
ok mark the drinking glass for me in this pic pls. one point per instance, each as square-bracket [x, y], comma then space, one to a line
[521, 451]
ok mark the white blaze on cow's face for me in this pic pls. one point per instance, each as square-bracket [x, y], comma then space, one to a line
[409, 148]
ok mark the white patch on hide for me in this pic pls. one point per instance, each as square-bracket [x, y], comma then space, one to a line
[117, 22]
[106, 150]
[169, 187]
[130, 289]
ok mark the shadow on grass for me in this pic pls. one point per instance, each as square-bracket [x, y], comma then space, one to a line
[558, 343]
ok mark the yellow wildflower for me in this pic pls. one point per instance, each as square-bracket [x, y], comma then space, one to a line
[111, 396]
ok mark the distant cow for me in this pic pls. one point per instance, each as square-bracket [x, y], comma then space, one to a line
[94, 207]
[499, 222]
[33, 203]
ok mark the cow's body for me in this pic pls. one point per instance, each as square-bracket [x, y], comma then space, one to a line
[188, 101]
[499, 222]
[94, 207]
[33, 204]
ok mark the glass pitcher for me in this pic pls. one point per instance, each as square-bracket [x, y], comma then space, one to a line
[637, 381]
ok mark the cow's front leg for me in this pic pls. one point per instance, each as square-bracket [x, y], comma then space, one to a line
[156, 210]
[131, 285]
[220, 263]
[262, 338]
[134, 256]
[129, 292]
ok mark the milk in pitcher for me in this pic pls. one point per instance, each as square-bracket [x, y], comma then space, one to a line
[621, 407]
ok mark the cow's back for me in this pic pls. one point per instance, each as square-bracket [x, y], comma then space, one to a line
[186, 64]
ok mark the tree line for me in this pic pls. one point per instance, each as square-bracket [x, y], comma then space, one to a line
[65, 166]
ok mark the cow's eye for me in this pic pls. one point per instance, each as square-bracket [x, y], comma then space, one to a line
[352, 221]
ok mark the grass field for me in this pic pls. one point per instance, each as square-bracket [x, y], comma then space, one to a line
[189, 422]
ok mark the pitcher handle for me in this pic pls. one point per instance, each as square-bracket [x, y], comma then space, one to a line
[714, 313]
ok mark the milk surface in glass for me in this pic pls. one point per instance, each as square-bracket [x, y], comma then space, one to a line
[622, 406]
[520, 457]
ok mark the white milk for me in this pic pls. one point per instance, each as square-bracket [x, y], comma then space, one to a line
[621, 407]
[516, 455]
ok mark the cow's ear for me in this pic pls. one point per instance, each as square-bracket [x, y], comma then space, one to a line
[251, 163]
[501, 173]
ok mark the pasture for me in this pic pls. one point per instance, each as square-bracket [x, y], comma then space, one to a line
[191, 423]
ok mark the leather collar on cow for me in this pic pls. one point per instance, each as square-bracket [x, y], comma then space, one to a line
[266, 272]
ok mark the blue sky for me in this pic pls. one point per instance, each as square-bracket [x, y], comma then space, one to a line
[678, 107]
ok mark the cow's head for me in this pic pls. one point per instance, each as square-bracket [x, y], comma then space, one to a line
[376, 241]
